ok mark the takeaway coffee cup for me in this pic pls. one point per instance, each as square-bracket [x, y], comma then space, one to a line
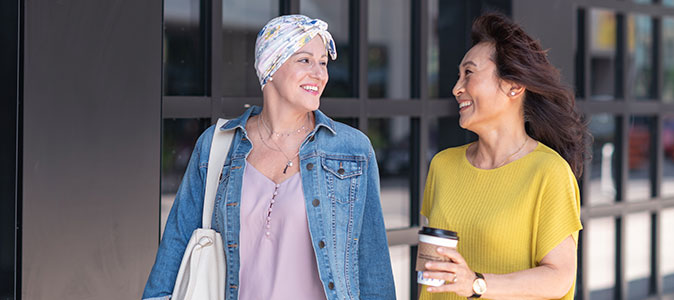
[429, 240]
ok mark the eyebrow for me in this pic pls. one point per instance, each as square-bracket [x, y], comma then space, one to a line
[308, 53]
[470, 62]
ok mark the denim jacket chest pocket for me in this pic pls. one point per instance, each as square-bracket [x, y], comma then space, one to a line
[342, 176]
[203, 169]
[222, 177]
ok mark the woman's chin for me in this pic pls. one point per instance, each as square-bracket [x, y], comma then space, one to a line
[464, 123]
[312, 104]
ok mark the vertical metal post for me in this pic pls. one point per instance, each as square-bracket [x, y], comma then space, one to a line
[624, 91]
[583, 53]
[657, 160]
[656, 280]
[359, 44]
[418, 90]
[623, 144]
[289, 7]
[583, 71]
[215, 59]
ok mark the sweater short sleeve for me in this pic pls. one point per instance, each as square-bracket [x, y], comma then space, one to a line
[559, 213]
[427, 203]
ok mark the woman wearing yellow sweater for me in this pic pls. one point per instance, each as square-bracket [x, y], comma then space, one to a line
[512, 195]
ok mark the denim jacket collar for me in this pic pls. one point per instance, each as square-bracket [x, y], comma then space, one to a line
[321, 120]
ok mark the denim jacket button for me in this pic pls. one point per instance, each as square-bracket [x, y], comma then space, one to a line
[321, 244]
[310, 166]
[331, 285]
[316, 202]
[340, 171]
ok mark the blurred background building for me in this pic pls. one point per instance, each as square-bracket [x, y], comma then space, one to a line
[102, 101]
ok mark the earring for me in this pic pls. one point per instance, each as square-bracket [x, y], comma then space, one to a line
[512, 93]
[270, 79]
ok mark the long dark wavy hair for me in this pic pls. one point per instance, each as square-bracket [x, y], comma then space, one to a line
[550, 114]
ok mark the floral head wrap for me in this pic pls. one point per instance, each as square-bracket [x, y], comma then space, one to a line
[282, 37]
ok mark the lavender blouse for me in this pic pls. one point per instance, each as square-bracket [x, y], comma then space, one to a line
[277, 259]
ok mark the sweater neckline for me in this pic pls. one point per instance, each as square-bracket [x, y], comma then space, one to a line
[464, 156]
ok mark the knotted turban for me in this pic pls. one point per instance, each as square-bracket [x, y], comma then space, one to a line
[282, 37]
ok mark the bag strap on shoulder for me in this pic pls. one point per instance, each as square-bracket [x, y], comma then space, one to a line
[216, 160]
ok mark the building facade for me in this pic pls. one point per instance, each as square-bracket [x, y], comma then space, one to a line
[105, 100]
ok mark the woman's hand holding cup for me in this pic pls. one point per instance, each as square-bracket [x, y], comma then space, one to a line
[457, 275]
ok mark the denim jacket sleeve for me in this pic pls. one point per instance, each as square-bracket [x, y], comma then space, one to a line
[375, 273]
[185, 216]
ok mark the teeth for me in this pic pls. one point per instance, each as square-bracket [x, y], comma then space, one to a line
[310, 88]
[464, 104]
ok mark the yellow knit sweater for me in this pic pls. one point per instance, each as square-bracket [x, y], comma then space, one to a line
[507, 218]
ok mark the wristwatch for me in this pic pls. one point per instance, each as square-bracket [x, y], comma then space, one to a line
[479, 286]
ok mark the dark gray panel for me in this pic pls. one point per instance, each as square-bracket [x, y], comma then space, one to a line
[9, 118]
[553, 23]
[92, 117]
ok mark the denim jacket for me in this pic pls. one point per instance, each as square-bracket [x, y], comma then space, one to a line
[340, 182]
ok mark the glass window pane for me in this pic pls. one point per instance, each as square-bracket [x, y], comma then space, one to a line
[602, 54]
[391, 141]
[178, 139]
[601, 261]
[667, 188]
[668, 59]
[241, 21]
[639, 164]
[400, 262]
[640, 55]
[388, 70]
[666, 246]
[336, 14]
[447, 29]
[638, 254]
[643, 1]
[184, 49]
[605, 160]
[668, 2]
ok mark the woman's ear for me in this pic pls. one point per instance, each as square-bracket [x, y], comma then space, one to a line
[515, 90]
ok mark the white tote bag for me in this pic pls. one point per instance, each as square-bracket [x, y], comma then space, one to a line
[203, 269]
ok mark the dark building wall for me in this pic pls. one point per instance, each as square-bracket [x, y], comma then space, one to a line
[91, 160]
[9, 117]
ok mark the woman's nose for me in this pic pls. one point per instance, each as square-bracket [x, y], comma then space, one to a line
[458, 88]
[318, 71]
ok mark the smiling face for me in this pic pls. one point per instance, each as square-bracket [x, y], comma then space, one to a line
[482, 96]
[301, 79]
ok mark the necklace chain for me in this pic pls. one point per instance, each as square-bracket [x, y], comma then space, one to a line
[511, 155]
[289, 133]
[278, 148]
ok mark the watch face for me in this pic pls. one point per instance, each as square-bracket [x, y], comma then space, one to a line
[479, 286]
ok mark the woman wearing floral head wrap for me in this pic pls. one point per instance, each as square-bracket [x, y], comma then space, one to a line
[298, 203]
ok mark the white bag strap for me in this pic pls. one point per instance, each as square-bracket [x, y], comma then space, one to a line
[216, 159]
